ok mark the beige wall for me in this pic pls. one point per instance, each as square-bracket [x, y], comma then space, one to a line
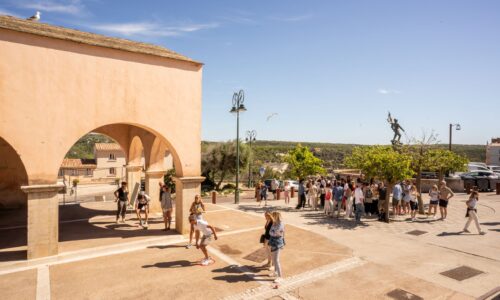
[493, 155]
[52, 92]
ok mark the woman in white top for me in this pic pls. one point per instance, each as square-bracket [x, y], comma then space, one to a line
[276, 243]
[287, 192]
[434, 195]
[472, 212]
[312, 193]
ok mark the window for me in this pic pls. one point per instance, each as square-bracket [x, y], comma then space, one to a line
[112, 156]
[73, 172]
[112, 171]
[88, 172]
[61, 172]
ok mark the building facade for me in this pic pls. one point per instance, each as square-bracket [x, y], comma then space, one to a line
[493, 152]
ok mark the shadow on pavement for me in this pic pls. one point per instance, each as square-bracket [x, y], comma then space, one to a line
[491, 223]
[234, 269]
[172, 264]
[450, 233]
[166, 246]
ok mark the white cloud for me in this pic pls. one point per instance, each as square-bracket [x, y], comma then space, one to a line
[388, 91]
[292, 18]
[72, 7]
[149, 28]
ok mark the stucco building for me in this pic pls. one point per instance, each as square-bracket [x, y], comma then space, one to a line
[58, 84]
[109, 165]
[493, 152]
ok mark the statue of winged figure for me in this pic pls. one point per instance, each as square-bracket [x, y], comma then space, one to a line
[396, 128]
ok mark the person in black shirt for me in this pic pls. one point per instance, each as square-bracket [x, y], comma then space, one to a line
[382, 193]
[266, 237]
[121, 197]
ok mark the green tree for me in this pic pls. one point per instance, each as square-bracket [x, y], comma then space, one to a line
[383, 163]
[419, 152]
[303, 163]
[443, 161]
[218, 161]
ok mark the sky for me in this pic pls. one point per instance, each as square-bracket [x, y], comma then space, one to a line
[319, 71]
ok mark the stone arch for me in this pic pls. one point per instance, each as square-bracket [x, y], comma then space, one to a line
[124, 133]
[13, 175]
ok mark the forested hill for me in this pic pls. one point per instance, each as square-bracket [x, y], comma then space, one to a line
[273, 151]
[333, 154]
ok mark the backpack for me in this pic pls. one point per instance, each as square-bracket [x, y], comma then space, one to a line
[369, 193]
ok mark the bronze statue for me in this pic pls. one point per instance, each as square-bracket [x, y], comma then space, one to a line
[396, 128]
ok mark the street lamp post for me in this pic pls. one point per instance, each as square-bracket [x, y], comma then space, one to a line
[457, 127]
[251, 135]
[238, 99]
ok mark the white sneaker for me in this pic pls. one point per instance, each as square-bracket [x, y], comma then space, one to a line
[278, 280]
[188, 246]
[205, 262]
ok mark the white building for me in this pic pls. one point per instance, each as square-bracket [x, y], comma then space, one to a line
[493, 152]
[108, 165]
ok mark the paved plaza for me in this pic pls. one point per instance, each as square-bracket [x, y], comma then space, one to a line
[323, 257]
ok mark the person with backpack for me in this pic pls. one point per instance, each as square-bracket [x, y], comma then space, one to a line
[263, 194]
[338, 195]
[142, 205]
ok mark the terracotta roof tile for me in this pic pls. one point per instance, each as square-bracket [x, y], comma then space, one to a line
[107, 146]
[63, 33]
[77, 163]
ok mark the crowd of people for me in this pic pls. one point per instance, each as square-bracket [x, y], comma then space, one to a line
[355, 199]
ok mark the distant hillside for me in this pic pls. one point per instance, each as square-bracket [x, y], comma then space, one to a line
[334, 154]
[271, 151]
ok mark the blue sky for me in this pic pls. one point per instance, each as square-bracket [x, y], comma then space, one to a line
[331, 70]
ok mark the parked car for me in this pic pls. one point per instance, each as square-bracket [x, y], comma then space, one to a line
[429, 175]
[495, 169]
[472, 167]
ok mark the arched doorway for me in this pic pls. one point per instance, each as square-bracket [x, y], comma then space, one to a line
[129, 153]
[13, 237]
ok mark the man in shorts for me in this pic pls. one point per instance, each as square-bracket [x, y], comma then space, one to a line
[142, 205]
[208, 231]
[445, 194]
[397, 194]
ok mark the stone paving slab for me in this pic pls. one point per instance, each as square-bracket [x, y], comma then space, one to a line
[164, 272]
[304, 250]
[373, 281]
[19, 285]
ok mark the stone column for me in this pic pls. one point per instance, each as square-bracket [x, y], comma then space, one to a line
[185, 190]
[134, 179]
[153, 189]
[43, 219]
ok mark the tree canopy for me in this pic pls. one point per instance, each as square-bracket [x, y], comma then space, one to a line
[219, 161]
[442, 161]
[381, 162]
[303, 163]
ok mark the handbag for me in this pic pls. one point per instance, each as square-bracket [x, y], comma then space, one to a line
[262, 239]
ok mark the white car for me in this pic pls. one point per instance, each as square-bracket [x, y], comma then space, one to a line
[473, 167]
[293, 183]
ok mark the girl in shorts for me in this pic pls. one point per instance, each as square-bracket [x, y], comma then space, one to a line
[413, 202]
[197, 208]
[142, 205]
[434, 195]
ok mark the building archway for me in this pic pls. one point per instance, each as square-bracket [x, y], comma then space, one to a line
[84, 82]
[13, 203]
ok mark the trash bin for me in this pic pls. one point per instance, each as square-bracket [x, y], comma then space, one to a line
[469, 184]
[483, 184]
